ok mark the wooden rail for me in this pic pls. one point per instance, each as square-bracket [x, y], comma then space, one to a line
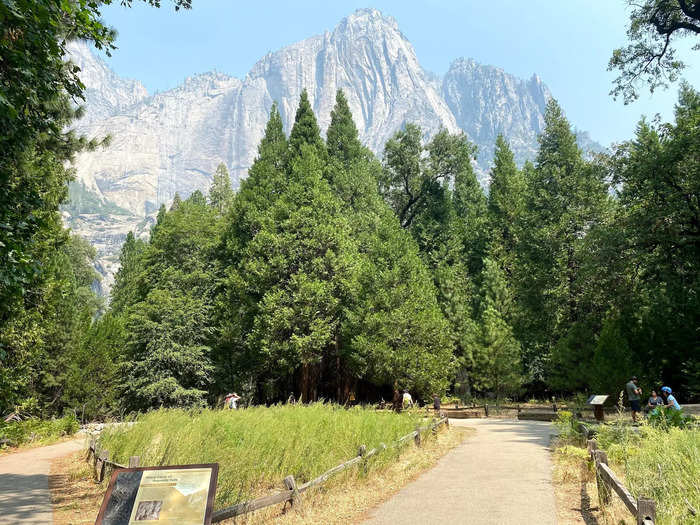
[643, 509]
[292, 494]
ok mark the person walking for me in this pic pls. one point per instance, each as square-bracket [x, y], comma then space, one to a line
[670, 399]
[634, 395]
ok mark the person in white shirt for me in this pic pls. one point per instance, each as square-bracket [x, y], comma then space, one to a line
[407, 399]
[231, 401]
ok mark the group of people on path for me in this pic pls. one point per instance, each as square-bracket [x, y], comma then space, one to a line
[634, 394]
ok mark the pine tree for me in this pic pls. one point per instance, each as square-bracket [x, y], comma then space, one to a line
[299, 267]
[305, 130]
[220, 193]
[506, 201]
[352, 169]
[169, 325]
[126, 289]
[497, 364]
[342, 137]
[566, 197]
[266, 181]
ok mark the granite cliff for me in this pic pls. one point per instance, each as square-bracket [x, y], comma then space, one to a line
[171, 142]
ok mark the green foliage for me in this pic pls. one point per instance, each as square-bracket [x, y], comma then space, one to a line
[40, 340]
[323, 286]
[38, 431]
[305, 130]
[94, 369]
[37, 90]
[164, 292]
[566, 197]
[341, 137]
[220, 193]
[666, 417]
[650, 57]
[258, 447]
[497, 361]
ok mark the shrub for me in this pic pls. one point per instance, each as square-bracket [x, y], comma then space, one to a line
[666, 417]
[36, 430]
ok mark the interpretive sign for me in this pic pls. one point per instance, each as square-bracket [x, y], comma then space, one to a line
[178, 494]
[597, 400]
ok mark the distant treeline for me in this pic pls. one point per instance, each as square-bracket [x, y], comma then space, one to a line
[331, 272]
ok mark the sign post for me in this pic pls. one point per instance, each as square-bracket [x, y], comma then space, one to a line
[172, 495]
[597, 403]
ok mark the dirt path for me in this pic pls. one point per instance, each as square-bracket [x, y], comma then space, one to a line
[24, 483]
[500, 476]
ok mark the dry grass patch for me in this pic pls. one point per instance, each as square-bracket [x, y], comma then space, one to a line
[75, 496]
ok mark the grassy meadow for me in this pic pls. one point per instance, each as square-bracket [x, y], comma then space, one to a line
[257, 447]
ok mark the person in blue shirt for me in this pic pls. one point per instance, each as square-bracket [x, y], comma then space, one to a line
[670, 399]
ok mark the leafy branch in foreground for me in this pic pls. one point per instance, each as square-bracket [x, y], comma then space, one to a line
[651, 57]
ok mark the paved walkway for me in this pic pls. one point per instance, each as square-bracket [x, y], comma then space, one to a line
[501, 475]
[24, 483]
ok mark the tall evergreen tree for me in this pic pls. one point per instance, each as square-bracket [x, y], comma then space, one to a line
[305, 129]
[220, 193]
[169, 327]
[497, 364]
[506, 205]
[342, 138]
[566, 197]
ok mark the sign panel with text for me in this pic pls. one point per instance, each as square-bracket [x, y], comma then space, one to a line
[169, 495]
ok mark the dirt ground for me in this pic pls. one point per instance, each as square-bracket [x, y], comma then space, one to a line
[77, 498]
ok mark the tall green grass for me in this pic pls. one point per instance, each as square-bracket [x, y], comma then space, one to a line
[257, 447]
[660, 464]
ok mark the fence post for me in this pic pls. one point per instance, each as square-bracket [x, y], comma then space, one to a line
[486, 409]
[554, 403]
[592, 447]
[292, 485]
[101, 465]
[91, 448]
[603, 490]
[646, 510]
[134, 461]
[417, 438]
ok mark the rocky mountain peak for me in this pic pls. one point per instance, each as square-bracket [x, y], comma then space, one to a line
[105, 92]
[367, 22]
[172, 142]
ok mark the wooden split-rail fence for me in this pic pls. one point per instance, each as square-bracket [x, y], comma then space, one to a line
[293, 492]
[643, 509]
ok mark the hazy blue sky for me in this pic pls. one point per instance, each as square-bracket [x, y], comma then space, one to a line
[567, 43]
